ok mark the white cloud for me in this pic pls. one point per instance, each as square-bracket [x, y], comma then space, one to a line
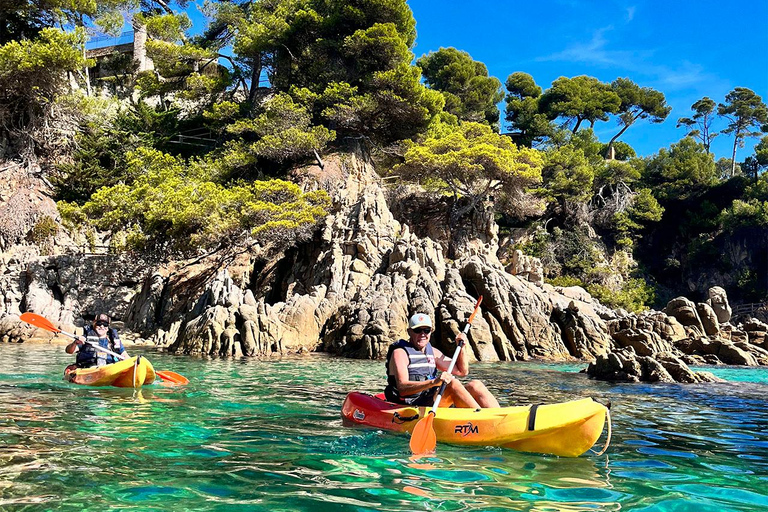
[642, 64]
[631, 13]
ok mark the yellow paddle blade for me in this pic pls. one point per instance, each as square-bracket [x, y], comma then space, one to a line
[423, 440]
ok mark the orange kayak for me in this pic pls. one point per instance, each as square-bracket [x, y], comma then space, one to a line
[133, 372]
[567, 429]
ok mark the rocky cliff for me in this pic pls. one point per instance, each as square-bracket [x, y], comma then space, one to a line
[372, 263]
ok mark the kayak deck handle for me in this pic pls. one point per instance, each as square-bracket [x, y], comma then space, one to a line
[397, 418]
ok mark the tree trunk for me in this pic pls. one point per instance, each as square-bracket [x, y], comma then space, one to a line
[255, 76]
[140, 46]
[621, 132]
[733, 155]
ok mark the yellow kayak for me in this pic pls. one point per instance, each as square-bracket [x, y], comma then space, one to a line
[133, 372]
[567, 429]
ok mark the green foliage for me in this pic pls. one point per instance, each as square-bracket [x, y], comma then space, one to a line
[621, 151]
[355, 56]
[165, 27]
[750, 286]
[172, 60]
[638, 103]
[171, 210]
[472, 160]
[397, 107]
[528, 124]
[565, 281]
[31, 80]
[699, 125]
[614, 173]
[645, 207]
[686, 169]
[283, 131]
[745, 213]
[568, 177]
[579, 99]
[745, 112]
[471, 95]
[43, 230]
[376, 48]
[635, 295]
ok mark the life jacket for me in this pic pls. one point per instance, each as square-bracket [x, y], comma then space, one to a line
[88, 356]
[421, 367]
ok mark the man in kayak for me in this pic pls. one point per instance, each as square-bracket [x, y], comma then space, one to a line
[102, 335]
[412, 372]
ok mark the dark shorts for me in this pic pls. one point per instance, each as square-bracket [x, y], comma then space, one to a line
[425, 398]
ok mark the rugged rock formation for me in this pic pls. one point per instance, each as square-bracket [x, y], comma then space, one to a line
[718, 301]
[350, 290]
[628, 366]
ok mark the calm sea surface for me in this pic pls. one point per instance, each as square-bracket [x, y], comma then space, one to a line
[247, 435]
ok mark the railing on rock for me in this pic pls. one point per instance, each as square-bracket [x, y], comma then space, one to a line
[748, 309]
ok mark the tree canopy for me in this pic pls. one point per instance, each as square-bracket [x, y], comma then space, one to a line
[699, 125]
[471, 160]
[745, 112]
[579, 99]
[470, 94]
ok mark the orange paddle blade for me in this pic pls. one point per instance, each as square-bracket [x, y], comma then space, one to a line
[172, 377]
[423, 439]
[38, 321]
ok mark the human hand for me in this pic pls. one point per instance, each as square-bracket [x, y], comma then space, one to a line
[445, 377]
[461, 338]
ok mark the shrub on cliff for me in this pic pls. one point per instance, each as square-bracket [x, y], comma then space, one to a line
[471, 160]
[31, 80]
[173, 210]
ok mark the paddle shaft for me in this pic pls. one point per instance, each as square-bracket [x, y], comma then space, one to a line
[455, 356]
[450, 369]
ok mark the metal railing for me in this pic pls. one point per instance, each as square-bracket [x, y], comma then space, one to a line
[744, 309]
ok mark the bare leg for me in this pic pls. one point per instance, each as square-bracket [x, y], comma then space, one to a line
[459, 395]
[481, 394]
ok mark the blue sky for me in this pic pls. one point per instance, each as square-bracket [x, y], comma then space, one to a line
[685, 49]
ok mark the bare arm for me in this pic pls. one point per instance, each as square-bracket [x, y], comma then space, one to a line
[75, 345]
[462, 362]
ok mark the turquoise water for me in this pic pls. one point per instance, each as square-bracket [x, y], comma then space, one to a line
[249, 435]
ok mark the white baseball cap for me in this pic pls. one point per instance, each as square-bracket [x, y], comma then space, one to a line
[419, 320]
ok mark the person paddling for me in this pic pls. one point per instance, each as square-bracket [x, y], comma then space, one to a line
[412, 372]
[101, 334]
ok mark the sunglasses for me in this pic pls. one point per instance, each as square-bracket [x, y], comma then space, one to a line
[102, 324]
[422, 330]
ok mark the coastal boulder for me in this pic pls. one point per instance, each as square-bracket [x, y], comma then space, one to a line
[684, 311]
[708, 319]
[718, 301]
[626, 366]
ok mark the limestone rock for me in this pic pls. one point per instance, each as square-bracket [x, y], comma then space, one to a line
[685, 312]
[625, 365]
[723, 350]
[527, 267]
[718, 301]
[708, 319]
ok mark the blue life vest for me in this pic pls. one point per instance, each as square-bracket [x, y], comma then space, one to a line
[89, 356]
[421, 367]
